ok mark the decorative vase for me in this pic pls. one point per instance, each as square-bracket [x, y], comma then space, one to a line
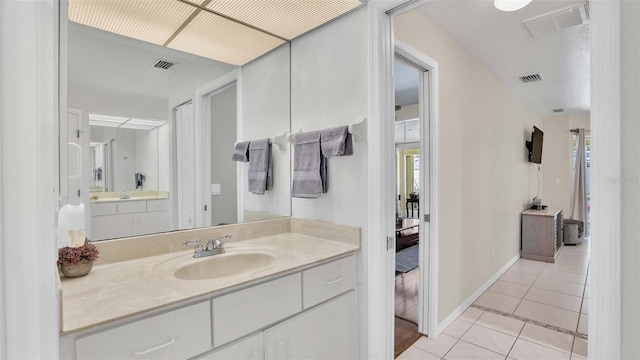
[76, 270]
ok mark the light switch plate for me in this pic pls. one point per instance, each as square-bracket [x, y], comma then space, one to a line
[215, 189]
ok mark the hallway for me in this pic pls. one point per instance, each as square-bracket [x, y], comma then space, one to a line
[536, 310]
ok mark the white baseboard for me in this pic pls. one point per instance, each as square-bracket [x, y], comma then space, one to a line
[460, 309]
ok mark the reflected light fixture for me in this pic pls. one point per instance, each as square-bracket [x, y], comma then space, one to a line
[510, 5]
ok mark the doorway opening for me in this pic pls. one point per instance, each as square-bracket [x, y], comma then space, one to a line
[410, 172]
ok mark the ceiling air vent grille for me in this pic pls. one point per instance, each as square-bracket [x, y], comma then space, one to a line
[163, 64]
[558, 110]
[531, 78]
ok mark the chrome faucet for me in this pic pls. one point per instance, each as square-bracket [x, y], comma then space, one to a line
[213, 247]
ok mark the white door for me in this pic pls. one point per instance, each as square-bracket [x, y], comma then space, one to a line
[185, 155]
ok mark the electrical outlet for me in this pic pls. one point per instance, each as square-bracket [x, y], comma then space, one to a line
[215, 189]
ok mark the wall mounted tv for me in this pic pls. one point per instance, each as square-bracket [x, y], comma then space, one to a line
[535, 146]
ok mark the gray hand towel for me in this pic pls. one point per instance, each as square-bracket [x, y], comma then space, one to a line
[336, 142]
[309, 167]
[241, 152]
[259, 166]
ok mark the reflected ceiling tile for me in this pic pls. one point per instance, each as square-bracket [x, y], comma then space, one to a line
[217, 38]
[152, 21]
[285, 18]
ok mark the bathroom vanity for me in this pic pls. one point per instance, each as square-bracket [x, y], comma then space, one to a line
[287, 294]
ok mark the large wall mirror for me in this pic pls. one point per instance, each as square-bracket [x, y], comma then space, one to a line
[139, 151]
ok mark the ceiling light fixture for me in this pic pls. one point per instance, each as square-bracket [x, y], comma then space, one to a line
[510, 5]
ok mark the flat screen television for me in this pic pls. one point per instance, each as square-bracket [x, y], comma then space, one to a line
[535, 146]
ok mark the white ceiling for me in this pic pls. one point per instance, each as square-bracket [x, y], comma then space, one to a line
[101, 60]
[406, 79]
[503, 45]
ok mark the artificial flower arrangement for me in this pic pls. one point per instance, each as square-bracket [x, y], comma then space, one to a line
[77, 261]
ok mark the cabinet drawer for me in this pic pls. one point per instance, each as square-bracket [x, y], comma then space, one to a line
[329, 280]
[157, 205]
[188, 335]
[251, 348]
[103, 209]
[245, 311]
[129, 207]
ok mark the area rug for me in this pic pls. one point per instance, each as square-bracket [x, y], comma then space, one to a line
[407, 259]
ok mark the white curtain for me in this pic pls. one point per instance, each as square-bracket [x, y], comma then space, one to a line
[579, 198]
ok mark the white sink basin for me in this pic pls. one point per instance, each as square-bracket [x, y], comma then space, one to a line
[218, 266]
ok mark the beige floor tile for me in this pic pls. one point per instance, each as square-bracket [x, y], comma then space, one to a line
[500, 323]
[525, 268]
[563, 276]
[586, 292]
[489, 339]
[553, 298]
[559, 286]
[525, 350]
[583, 325]
[414, 353]
[438, 346]
[572, 260]
[509, 288]
[585, 306]
[546, 337]
[465, 351]
[471, 315]
[457, 328]
[518, 278]
[548, 314]
[577, 269]
[580, 348]
[498, 301]
[531, 263]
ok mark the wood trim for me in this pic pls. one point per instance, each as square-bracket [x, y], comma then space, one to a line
[605, 325]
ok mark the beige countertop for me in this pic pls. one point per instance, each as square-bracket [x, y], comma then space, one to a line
[122, 289]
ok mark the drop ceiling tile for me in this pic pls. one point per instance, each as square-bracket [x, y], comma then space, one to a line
[215, 37]
[153, 21]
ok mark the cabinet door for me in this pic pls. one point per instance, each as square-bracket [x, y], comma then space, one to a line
[412, 131]
[111, 227]
[251, 348]
[150, 222]
[329, 331]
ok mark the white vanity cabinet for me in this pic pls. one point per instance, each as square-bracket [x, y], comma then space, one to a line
[181, 333]
[328, 331]
[118, 219]
[307, 314]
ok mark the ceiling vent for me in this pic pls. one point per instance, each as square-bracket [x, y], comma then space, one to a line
[558, 110]
[163, 64]
[531, 78]
[558, 20]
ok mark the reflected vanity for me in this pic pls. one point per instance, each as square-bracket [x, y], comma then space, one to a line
[130, 110]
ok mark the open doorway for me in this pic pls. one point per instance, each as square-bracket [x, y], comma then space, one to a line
[410, 172]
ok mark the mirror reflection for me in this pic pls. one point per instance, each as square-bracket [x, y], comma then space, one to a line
[145, 165]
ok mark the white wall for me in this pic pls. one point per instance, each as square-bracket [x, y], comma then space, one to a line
[328, 89]
[265, 114]
[408, 112]
[484, 177]
[164, 157]
[147, 157]
[557, 159]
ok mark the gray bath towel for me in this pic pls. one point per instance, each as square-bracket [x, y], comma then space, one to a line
[336, 142]
[309, 166]
[260, 166]
[241, 152]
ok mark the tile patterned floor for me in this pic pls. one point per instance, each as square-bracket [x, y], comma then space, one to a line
[407, 296]
[536, 310]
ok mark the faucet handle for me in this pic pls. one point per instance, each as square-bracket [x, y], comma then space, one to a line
[192, 242]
